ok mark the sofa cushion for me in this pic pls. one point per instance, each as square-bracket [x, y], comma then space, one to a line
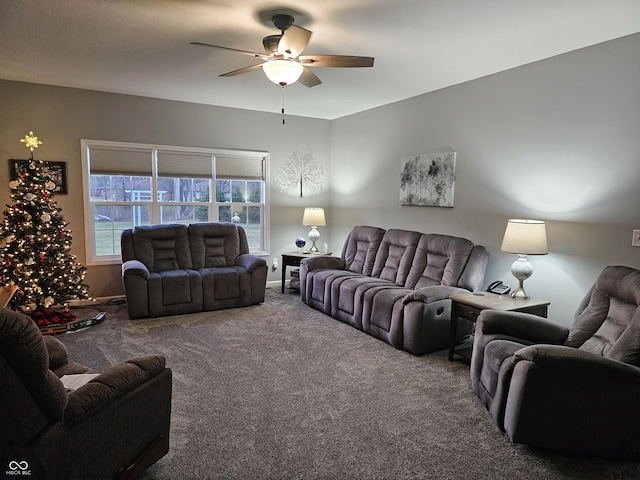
[609, 323]
[360, 248]
[214, 244]
[176, 287]
[226, 287]
[162, 247]
[395, 255]
[440, 260]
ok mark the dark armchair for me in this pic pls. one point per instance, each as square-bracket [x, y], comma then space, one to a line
[112, 427]
[572, 389]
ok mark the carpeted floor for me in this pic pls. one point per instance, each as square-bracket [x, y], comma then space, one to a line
[281, 391]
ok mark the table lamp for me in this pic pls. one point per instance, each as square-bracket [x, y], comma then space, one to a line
[313, 217]
[524, 237]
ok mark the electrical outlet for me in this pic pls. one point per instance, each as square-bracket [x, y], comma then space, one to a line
[274, 264]
[635, 241]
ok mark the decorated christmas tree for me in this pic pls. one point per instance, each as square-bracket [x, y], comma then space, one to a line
[35, 253]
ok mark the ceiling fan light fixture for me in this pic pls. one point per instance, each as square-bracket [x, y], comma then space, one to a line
[282, 72]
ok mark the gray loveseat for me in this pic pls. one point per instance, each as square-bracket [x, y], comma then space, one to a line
[396, 284]
[175, 269]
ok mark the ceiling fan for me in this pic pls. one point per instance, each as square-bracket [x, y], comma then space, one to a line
[283, 63]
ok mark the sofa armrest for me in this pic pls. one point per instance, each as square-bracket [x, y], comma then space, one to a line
[58, 354]
[250, 262]
[572, 359]
[111, 385]
[135, 267]
[432, 294]
[523, 326]
[566, 399]
[324, 262]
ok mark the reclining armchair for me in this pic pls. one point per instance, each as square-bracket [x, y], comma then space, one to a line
[114, 426]
[571, 389]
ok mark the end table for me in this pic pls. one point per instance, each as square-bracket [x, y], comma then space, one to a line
[293, 259]
[469, 306]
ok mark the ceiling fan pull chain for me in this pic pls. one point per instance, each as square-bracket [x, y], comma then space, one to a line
[283, 104]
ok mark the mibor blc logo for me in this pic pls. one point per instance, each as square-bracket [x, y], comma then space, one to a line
[18, 468]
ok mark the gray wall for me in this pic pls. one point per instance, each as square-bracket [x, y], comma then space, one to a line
[63, 116]
[556, 140]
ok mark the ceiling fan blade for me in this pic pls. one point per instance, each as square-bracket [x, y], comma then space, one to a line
[294, 40]
[262, 56]
[336, 61]
[241, 71]
[309, 79]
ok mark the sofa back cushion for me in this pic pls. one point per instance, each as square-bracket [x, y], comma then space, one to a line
[395, 255]
[607, 322]
[360, 248]
[31, 394]
[162, 247]
[440, 260]
[216, 244]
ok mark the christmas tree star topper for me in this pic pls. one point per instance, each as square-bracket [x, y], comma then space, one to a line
[31, 141]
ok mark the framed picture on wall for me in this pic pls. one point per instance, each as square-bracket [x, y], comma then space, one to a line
[428, 180]
[56, 170]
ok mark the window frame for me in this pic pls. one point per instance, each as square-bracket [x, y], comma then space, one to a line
[155, 205]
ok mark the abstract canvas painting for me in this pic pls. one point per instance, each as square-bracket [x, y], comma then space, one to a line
[428, 180]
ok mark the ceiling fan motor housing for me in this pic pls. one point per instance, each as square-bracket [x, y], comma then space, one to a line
[282, 21]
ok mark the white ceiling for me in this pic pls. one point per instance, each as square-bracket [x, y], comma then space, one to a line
[141, 47]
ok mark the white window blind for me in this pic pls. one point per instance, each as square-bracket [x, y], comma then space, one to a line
[120, 161]
[184, 164]
[239, 168]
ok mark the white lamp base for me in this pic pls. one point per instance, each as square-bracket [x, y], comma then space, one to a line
[314, 235]
[521, 269]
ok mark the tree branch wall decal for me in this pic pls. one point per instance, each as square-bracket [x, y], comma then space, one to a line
[302, 173]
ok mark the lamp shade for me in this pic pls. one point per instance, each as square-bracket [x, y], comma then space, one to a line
[525, 237]
[282, 72]
[313, 217]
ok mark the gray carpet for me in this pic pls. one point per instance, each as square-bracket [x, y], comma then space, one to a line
[281, 391]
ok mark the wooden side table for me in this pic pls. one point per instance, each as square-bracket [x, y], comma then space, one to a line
[6, 295]
[469, 306]
[293, 259]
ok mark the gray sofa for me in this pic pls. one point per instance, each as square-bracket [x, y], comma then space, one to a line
[175, 269]
[396, 284]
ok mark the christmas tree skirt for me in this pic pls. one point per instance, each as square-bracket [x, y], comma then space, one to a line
[46, 317]
[61, 321]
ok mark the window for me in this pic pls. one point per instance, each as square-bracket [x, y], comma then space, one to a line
[127, 185]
